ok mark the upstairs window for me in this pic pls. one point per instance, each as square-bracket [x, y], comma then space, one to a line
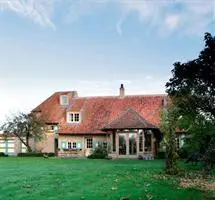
[64, 100]
[73, 117]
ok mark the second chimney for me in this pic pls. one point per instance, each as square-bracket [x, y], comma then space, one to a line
[121, 91]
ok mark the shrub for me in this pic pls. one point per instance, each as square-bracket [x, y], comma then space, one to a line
[183, 153]
[3, 154]
[99, 153]
[209, 158]
[161, 155]
[36, 154]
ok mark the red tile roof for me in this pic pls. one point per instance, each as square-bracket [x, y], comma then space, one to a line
[129, 119]
[97, 112]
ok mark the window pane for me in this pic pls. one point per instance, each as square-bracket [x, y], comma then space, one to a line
[74, 145]
[76, 117]
[89, 143]
[114, 142]
[148, 141]
[71, 117]
[132, 144]
[141, 141]
[122, 143]
[69, 145]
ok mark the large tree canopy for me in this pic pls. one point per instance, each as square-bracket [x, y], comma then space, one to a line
[192, 90]
[24, 126]
[192, 86]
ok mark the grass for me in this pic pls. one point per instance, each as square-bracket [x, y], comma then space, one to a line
[55, 178]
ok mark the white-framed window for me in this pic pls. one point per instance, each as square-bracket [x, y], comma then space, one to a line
[89, 143]
[73, 117]
[64, 100]
[74, 146]
[69, 145]
[52, 127]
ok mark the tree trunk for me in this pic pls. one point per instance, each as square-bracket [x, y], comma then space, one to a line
[171, 154]
[29, 149]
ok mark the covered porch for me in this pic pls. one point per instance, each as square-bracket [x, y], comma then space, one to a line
[131, 136]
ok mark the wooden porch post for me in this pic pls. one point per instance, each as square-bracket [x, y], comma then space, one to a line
[117, 144]
[152, 141]
[143, 141]
[127, 143]
[111, 142]
[137, 141]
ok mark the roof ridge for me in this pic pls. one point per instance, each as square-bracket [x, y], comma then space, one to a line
[118, 97]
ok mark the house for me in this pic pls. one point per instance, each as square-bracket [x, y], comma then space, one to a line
[128, 125]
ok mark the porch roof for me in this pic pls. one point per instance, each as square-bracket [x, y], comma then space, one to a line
[129, 119]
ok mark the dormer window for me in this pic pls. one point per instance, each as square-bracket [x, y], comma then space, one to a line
[64, 100]
[73, 117]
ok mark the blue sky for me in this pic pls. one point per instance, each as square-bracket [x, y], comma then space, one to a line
[94, 45]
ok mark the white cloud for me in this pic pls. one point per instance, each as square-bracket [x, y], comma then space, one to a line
[172, 21]
[39, 11]
[191, 16]
[188, 16]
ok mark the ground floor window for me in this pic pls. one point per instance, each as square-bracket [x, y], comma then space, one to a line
[141, 141]
[122, 144]
[74, 145]
[114, 142]
[148, 140]
[89, 142]
[132, 144]
[69, 145]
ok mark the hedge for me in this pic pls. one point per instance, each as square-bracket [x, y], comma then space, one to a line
[36, 154]
[3, 154]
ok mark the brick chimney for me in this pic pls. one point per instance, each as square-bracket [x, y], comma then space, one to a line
[121, 91]
[74, 94]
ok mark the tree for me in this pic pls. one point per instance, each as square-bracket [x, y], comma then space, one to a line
[192, 86]
[169, 123]
[192, 90]
[24, 127]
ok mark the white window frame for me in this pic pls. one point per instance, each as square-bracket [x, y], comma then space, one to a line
[69, 145]
[72, 119]
[74, 145]
[64, 100]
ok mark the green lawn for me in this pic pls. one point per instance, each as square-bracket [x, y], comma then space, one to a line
[55, 178]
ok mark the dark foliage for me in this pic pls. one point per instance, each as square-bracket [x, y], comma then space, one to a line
[99, 153]
[209, 157]
[194, 157]
[193, 84]
[192, 90]
[169, 123]
[161, 155]
[36, 154]
[183, 153]
[3, 154]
